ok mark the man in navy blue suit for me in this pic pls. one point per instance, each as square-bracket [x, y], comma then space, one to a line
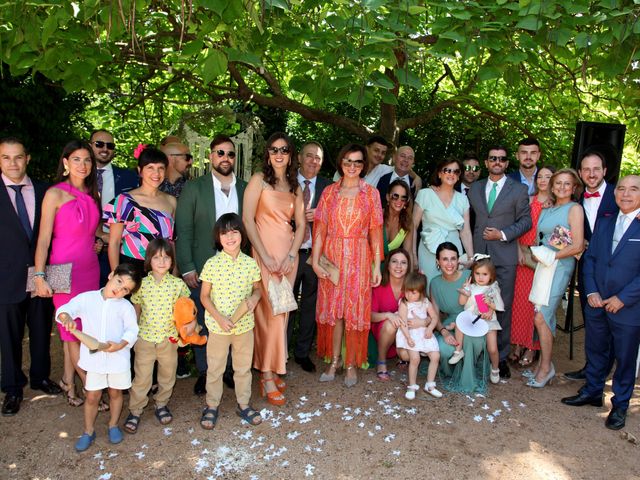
[598, 202]
[528, 154]
[112, 181]
[612, 285]
[403, 160]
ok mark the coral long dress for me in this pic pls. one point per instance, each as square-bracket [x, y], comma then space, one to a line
[273, 222]
[351, 232]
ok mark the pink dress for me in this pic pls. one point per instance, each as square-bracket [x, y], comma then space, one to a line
[74, 230]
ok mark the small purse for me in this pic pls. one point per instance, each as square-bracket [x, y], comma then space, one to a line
[281, 296]
[329, 266]
[529, 261]
[57, 276]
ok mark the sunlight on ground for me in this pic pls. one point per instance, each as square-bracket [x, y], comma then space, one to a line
[63, 435]
[538, 462]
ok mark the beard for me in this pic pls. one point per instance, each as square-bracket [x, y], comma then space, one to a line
[224, 168]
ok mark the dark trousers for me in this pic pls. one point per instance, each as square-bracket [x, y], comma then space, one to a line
[37, 314]
[307, 284]
[506, 276]
[606, 339]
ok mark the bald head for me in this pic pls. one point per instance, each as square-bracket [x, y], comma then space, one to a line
[627, 193]
[180, 159]
[403, 160]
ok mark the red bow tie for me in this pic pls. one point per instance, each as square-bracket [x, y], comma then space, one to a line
[591, 195]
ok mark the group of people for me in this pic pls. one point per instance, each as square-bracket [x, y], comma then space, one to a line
[381, 267]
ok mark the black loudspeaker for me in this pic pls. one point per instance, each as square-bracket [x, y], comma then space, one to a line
[606, 138]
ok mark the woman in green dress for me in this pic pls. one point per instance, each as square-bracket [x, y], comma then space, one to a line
[469, 375]
[398, 214]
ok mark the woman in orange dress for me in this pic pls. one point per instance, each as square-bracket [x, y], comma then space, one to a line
[347, 229]
[271, 200]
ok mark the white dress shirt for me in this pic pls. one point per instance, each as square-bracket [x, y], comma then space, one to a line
[373, 176]
[108, 192]
[225, 203]
[312, 192]
[592, 204]
[28, 194]
[405, 178]
[487, 190]
[112, 319]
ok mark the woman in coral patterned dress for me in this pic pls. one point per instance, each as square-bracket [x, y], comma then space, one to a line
[524, 347]
[347, 229]
[272, 199]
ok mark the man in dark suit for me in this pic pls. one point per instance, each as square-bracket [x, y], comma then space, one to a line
[528, 154]
[112, 181]
[612, 285]
[20, 203]
[502, 214]
[403, 160]
[310, 160]
[598, 201]
[202, 201]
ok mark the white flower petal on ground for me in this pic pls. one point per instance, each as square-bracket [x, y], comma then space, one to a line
[396, 453]
[140, 455]
[104, 476]
[293, 435]
[308, 470]
[389, 437]
[167, 431]
[478, 418]
[195, 442]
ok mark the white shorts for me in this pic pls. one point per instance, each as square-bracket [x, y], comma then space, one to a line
[99, 381]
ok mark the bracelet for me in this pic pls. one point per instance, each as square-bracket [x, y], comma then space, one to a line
[442, 329]
[291, 257]
[39, 274]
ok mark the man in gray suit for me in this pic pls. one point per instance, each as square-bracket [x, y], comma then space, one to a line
[502, 214]
[310, 160]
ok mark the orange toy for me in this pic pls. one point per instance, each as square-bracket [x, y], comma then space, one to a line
[184, 314]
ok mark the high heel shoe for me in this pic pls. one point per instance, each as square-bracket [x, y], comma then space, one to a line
[70, 392]
[335, 364]
[274, 398]
[535, 384]
[280, 384]
[350, 381]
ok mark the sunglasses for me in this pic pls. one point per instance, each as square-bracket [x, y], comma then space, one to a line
[187, 156]
[397, 196]
[493, 158]
[283, 150]
[472, 168]
[221, 153]
[348, 162]
[101, 144]
[455, 171]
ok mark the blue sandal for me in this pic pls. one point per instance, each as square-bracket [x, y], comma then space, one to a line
[249, 415]
[85, 441]
[209, 418]
[163, 415]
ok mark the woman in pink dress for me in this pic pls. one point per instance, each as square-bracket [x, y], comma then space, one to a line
[272, 200]
[347, 229]
[70, 217]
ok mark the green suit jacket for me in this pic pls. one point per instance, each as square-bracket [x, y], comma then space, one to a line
[195, 219]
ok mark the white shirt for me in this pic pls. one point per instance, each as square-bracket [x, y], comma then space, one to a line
[28, 194]
[592, 204]
[108, 192]
[112, 319]
[224, 203]
[464, 189]
[531, 185]
[312, 192]
[373, 176]
[487, 190]
[630, 218]
[405, 178]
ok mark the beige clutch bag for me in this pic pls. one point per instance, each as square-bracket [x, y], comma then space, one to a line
[529, 261]
[58, 277]
[281, 296]
[329, 266]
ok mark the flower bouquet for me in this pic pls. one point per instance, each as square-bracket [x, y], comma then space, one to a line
[560, 237]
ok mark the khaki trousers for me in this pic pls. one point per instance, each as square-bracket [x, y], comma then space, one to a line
[241, 356]
[166, 353]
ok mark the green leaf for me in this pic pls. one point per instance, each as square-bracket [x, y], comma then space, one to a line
[408, 78]
[388, 97]
[417, 9]
[530, 22]
[192, 48]
[379, 79]
[243, 57]
[277, 3]
[214, 65]
[489, 73]
[360, 97]
[48, 28]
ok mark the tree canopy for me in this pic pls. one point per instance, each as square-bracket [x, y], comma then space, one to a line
[388, 66]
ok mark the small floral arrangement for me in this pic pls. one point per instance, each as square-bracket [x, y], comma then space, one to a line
[139, 149]
[560, 237]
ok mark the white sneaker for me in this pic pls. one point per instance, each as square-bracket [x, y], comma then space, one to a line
[411, 392]
[430, 388]
[495, 375]
[456, 357]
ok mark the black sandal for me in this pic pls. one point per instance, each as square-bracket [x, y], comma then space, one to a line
[164, 415]
[209, 415]
[131, 423]
[249, 415]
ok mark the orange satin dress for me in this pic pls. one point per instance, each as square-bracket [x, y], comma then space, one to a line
[273, 222]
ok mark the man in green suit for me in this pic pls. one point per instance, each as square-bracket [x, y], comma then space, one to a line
[202, 202]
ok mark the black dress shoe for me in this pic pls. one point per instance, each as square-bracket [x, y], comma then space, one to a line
[616, 418]
[200, 388]
[11, 405]
[582, 399]
[48, 387]
[228, 380]
[577, 375]
[306, 364]
[505, 372]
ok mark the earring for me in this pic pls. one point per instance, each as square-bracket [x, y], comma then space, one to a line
[437, 266]
[65, 173]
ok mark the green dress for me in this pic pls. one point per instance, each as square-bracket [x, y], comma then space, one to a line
[471, 373]
[389, 246]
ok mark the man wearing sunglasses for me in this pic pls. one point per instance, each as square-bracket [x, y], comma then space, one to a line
[471, 172]
[403, 160]
[180, 161]
[502, 214]
[202, 201]
[528, 154]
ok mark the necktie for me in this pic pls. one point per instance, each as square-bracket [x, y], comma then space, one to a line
[100, 172]
[21, 208]
[492, 196]
[618, 233]
[306, 198]
[591, 195]
[466, 190]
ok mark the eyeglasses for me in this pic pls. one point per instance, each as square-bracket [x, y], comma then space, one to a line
[187, 156]
[455, 171]
[101, 144]
[397, 196]
[493, 158]
[349, 163]
[283, 150]
[472, 168]
[221, 153]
